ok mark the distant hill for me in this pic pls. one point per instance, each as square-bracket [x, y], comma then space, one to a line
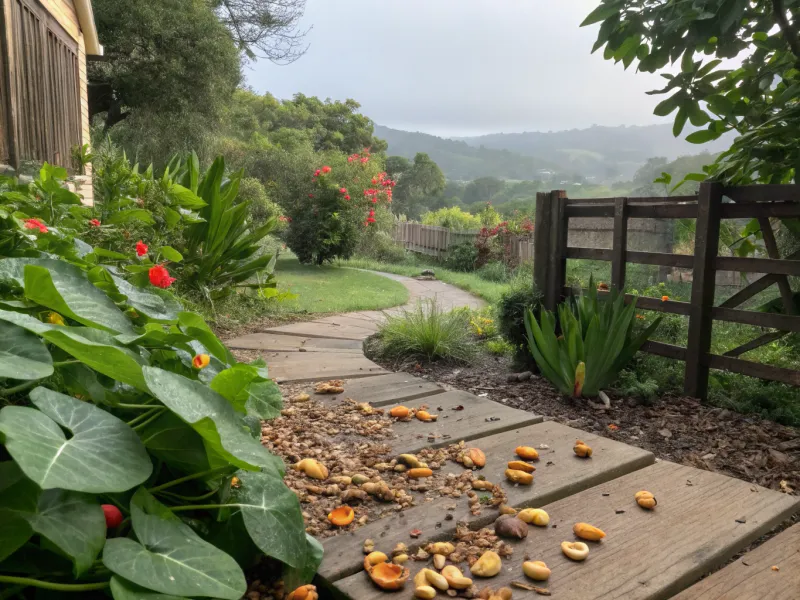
[461, 161]
[603, 153]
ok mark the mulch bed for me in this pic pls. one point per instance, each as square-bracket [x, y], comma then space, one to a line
[674, 428]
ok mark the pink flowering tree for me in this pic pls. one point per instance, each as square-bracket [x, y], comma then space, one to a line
[344, 201]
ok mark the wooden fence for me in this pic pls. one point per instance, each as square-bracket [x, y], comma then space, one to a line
[436, 241]
[554, 210]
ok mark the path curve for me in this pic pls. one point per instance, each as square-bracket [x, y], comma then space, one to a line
[332, 347]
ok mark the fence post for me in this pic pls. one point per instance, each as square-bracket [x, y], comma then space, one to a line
[557, 268]
[706, 246]
[541, 241]
[619, 247]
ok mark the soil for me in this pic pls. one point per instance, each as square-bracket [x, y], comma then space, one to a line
[674, 428]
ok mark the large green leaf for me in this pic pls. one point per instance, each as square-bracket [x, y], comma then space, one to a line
[66, 289]
[176, 443]
[296, 576]
[103, 454]
[22, 354]
[15, 529]
[263, 399]
[134, 214]
[122, 589]
[158, 305]
[213, 417]
[170, 557]
[272, 516]
[193, 325]
[244, 387]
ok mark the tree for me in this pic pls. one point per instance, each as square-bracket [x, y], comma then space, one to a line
[756, 101]
[397, 165]
[482, 189]
[170, 64]
[265, 28]
[417, 186]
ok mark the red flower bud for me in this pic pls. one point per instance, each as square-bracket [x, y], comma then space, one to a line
[113, 516]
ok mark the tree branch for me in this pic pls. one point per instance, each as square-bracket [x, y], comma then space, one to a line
[789, 32]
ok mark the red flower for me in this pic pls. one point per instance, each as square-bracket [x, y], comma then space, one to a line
[94, 223]
[159, 277]
[113, 515]
[371, 213]
[35, 224]
[364, 160]
[370, 219]
[347, 197]
[326, 169]
[374, 181]
[201, 361]
[311, 195]
[374, 199]
[342, 190]
[349, 159]
[316, 173]
[141, 248]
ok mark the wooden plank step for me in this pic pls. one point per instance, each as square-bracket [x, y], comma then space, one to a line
[286, 367]
[324, 330]
[461, 416]
[701, 520]
[559, 473]
[383, 389]
[751, 577]
[291, 343]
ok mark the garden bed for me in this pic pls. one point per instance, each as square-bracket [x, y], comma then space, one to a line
[674, 428]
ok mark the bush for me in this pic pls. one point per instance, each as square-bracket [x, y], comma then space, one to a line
[380, 246]
[494, 271]
[262, 209]
[461, 257]
[427, 332]
[511, 309]
[452, 218]
[499, 347]
[162, 421]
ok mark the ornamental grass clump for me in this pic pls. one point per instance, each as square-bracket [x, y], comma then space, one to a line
[597, 340]
[427, 331]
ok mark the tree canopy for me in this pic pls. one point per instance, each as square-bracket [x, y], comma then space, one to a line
[757, 100]
[418, 185]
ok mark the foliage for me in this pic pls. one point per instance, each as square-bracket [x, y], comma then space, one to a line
[380, 245]
[426, 331]
[494, 271]
[171, 66]
[756, 100]
[482, 323]
[265, 28]
[628, 384]
[512, 307]
[81, 156]
[161, 418]
[262, 209]
[499, 347]
[343, 201]
[462, 257]
[452, 218]
[417, 185]
[596, 342]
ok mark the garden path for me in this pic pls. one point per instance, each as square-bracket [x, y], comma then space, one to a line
[701, 521]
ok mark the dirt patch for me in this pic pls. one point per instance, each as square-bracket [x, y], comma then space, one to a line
[674, 428]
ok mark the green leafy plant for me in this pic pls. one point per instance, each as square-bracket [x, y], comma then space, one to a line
[116, 400]
[512, 307]
[597, 340]
[461, 257]
[81, 156]
[426, 331]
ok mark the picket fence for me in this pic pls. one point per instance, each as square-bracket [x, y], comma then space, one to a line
[436, 241]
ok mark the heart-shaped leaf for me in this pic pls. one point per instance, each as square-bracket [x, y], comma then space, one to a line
[156, 304]
[272, 516]
[263, 399]
[73, 522]
[244, 387]
[66, 289]
[213, 417]
[193, 324]
[103, 454]
[296, 576]
[122, 589]
[23, 355]
[176, 443]
[170, 557]
[14, 527]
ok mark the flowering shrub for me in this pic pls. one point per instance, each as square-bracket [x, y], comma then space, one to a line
[495, 243]
[341, 204]
[138, 496]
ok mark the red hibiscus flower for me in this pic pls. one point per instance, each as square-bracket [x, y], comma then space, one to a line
[94, 223]
[35, 224]
[342, 190]
[141, 248]
[326, 169]
[159, 277]
[347, 197]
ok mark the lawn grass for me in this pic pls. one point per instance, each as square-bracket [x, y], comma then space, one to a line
[330, 289]
[469, 282]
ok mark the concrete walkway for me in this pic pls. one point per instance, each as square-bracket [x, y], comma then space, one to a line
[331, 347]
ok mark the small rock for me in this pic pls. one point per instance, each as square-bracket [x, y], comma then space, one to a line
[709, 456]
[665, 433]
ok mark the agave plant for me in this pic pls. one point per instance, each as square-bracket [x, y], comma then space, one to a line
[596, 342]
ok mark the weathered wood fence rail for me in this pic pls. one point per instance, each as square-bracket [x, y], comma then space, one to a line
[437, 241]
[554, 211]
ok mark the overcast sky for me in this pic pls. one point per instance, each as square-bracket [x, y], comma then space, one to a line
[463, 67]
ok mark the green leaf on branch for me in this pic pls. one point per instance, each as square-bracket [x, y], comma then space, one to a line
[135, 214]
[193, 324]
[170, 254]
[601, 13]
[170, 558]
[297, 576]
[171, 440]
[213, 417]
[702, 136]
[64, 288]
[158, 305]
[22, 354]
[103, 455]
[272, 517]
[665, 107]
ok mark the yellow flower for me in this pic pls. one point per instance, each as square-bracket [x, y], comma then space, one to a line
[201, 361]
[55, 319]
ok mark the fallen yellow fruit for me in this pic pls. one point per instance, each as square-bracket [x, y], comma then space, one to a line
[536, 570]
[534, 516]
[488, 565]
[646, 500]
[581, 449]
[588, 532]
[519, 476]
[575, 550]
[527, 453]
[313, 468]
